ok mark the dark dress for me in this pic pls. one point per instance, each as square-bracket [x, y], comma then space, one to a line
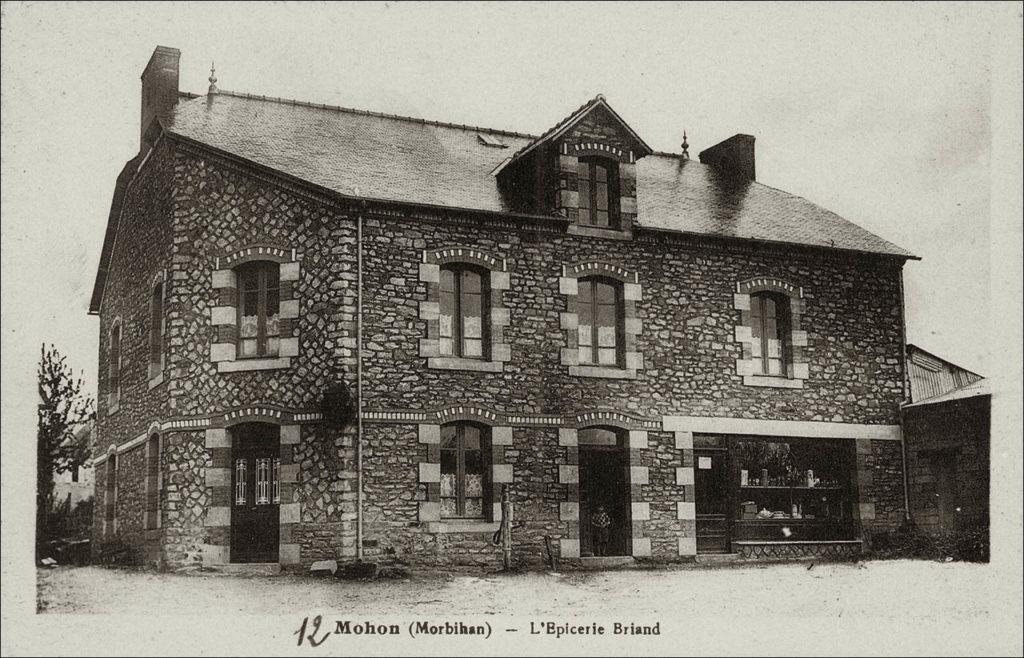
[601, 523]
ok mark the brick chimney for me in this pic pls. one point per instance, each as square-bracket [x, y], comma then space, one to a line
[733, 157]
[159, 91]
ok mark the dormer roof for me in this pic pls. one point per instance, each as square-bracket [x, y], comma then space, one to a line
[568, 123]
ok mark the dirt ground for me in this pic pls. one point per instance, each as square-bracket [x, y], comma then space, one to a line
[824, 589]
[884, 606]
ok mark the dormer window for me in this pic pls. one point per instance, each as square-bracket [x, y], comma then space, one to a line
[599, 192]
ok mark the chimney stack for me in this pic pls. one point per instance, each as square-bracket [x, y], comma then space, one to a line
[734, 157]
[159, 91]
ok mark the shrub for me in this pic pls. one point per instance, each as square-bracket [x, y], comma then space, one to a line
[967, 544]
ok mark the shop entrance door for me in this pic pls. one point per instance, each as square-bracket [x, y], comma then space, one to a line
[604, 483]
[712, 494]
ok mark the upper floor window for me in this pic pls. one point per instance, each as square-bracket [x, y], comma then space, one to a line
[259, 303]
[114, 365]
[599, 192]
[769, 327]
[464, 485]
[156, 330]
[599, 306]
[462, 299]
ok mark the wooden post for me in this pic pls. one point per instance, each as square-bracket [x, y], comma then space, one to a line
[506, 528]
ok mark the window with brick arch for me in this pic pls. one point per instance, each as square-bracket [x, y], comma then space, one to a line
[259, 292]
[600, 310]
[114, 365]
[464, 305]
[599, 192]
[769, 328]
[465, 485]
[156, 327]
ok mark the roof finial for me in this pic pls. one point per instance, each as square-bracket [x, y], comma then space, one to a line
[213, 79]
[686, 147]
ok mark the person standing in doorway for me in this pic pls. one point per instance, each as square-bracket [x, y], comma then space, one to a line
[601, 523]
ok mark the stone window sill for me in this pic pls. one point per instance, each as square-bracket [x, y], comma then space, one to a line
[772, 382]
[244, 365]
[457, 526]
[113, 406]
[602, 373]
[456, 363]
[595, 232]
[156, 379]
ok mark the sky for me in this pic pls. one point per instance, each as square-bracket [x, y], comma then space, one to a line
[880, 113]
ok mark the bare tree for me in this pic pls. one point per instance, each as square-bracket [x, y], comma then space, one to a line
[63, 407]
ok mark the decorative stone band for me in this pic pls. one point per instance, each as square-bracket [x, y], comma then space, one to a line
[217, 475]
[499, 281]
[494, 418]
[430, 476]
[286, 417]
[632, 292]
[224, 308]
[688, 425]
[797, 367]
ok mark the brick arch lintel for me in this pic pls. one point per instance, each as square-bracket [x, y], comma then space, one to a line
[769, 284]
[463, 254]
[613, 419]
[600, 268]
[468, 413]
[257, 252]
[599, 149]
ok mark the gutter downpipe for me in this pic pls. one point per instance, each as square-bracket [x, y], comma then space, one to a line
[906, 398]
[359, 383]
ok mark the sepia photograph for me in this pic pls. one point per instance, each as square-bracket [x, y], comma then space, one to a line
[481, 328]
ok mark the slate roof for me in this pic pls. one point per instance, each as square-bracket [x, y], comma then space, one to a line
[400, 159]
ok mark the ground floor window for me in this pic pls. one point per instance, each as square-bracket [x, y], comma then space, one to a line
[464, 482]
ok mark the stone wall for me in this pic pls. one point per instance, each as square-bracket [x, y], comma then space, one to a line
[142, 252]
[209, 208]
[959, 429]
[185, 498]
[218, 211]
[141, 256]
[852, 319]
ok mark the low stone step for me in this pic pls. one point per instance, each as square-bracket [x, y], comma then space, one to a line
[250, 568]
[607, 562]
[717, 558]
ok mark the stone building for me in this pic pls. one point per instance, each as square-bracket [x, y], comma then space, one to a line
[570, 317]
[946, 426]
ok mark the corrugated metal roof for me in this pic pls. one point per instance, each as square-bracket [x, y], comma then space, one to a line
[932, 376]
[972, 390]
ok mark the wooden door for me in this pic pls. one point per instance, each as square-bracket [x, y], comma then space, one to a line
[947, 493]
[711, 484]
[255, 494]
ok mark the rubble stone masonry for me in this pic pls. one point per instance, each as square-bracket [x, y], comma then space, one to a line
[188, 210]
